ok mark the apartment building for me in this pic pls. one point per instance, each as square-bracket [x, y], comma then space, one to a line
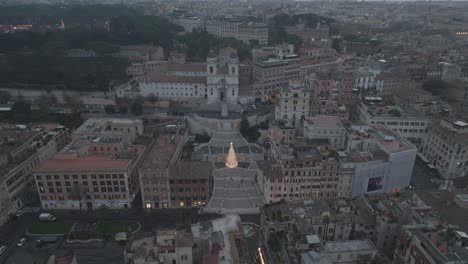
[446, 147]
[174, 246]
[445, 71]
[272, 73]
[430, 245]
[280, 132]
[388, 84]
[325, 127]
[166, 247]
[240, 29]
[22, 150]
[314, 58]
[402, 119]
[90, 173]
[306, 169]
[334, 86]
[294, 104]
[167, 181]
[318, 229]
[350, 251]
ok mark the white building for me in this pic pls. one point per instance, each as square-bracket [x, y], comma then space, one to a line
[380, 160]
[350, 251]
[223, 77]
[238, 29]
[404, 120]
[294, 104]
[216, 80]
[329, 127]
[174, 246]
[447, 148]
[189, 23]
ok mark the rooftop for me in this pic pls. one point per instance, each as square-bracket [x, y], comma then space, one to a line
[322, 121]
[191, 170]
[165, 77]
[81, 164]
[389, 139]
[99, 125]
[349, 246]
[161, 152]
[449, 211]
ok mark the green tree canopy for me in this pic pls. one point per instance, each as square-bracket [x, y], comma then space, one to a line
[20, 112]
[136, 108]
[435, 86]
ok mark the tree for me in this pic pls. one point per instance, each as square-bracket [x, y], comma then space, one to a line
[254, 43]
[337, 44]
[123, 109]
[79, 193]
[5, 97]
[435, 86]
[109, 109]
[102, 47]
[29, 195]
[20, 112]
[249, 132]
[102, 212]
[152, 98]
[74, 103]
[136, 108]
[244, 127]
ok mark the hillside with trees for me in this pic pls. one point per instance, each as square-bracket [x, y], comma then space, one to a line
[37, 57]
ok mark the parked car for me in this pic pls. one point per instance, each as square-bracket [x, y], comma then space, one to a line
[47, 217]
[21, 242]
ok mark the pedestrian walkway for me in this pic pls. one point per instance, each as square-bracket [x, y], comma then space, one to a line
[235, 191]
[31, 209]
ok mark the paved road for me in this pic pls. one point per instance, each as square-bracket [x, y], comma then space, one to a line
[424, 178]
[11, 232]
[150, 220]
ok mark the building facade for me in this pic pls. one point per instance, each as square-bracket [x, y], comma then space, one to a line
[325, 127]
[273, 73]
[26, 149]
[294, 104]
[402, 119]
[244, 31]
[446, 147]
[217, 80]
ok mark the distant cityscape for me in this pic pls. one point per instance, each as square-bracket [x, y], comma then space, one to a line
[234, 132]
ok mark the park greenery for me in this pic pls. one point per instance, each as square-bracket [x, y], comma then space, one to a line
[249, 132]
[435, 86]
[22, 112]
[38, 57]
[277, 28]
[199, 43]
